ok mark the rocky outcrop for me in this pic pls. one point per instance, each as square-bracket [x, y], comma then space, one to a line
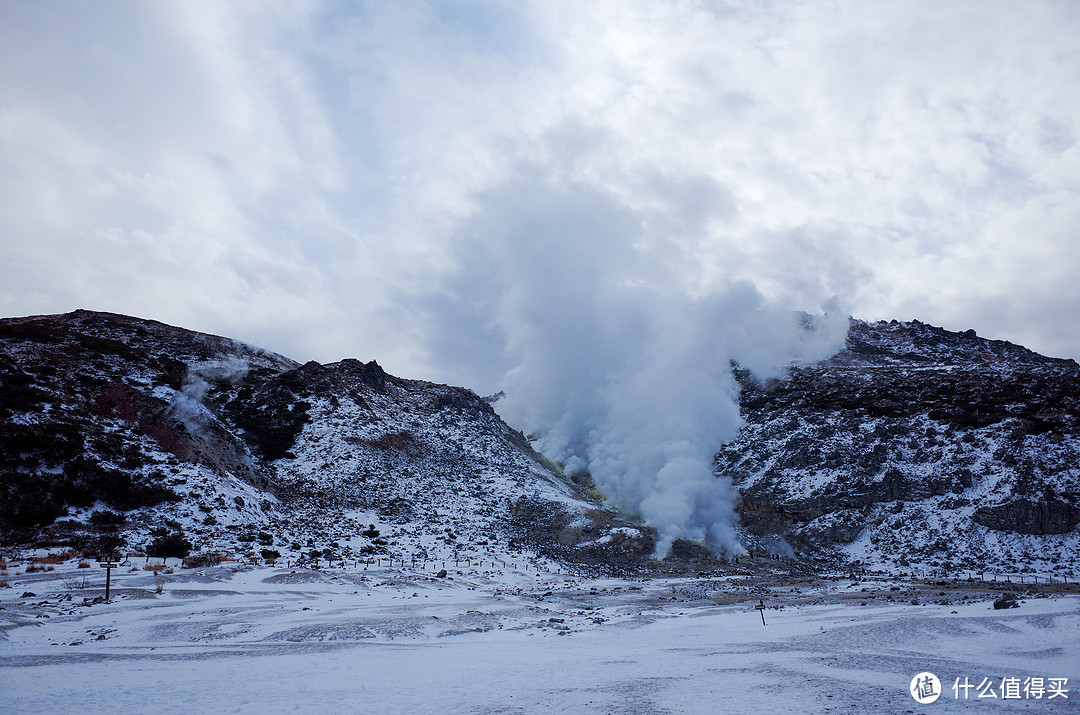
[1027, 516]
[909, 443]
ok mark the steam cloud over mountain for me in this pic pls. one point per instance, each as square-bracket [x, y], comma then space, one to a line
[607, 357]
[187, 405]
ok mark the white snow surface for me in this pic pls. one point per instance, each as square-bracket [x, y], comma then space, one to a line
[503, 640]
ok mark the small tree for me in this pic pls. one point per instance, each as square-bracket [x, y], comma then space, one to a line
[169, 544]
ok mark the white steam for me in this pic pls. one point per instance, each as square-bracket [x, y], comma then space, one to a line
[187, 404]
[607, 355]
[648, 429]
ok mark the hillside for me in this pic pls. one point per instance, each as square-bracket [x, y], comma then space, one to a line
[915, 446]
[912, 447]
[121, 430]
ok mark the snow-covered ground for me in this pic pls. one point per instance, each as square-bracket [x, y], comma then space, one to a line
[480, 640]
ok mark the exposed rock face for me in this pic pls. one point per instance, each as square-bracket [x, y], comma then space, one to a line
[1025, 516]
[910, 445]
[234, 444]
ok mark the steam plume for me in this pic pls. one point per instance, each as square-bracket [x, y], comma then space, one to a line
[187, 404]
[608, 359]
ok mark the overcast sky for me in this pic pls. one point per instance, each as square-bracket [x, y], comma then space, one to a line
[373, 179]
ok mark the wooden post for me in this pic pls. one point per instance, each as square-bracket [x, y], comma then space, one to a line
[761, 609]
[107, 563]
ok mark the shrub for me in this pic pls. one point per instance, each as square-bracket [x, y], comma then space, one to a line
[173, 544]
[76, 583]
[270, 555]
[107, 518]
[211, 558]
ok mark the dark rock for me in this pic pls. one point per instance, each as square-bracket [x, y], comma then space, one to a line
[1026, 516]
[843, 526]
[1006, 601]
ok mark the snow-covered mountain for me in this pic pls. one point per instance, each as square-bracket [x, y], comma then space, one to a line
[116, 426]
[915, 445]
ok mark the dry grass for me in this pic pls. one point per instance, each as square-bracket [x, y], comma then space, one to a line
[58, 558]
[212, 558]
[34, 568]
[84, 564]
[76, 583]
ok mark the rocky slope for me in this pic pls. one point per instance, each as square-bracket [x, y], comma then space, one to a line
[915, 445]
[118, 429]
[912, 447]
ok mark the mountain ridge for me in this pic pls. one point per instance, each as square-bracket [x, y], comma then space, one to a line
[230, 444]
[908, 443]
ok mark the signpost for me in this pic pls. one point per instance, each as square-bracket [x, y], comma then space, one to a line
[108, 562]
[761, 609]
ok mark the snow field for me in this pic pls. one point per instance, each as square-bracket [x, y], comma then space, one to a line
[287, 640]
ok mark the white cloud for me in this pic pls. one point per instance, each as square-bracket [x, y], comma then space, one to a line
[832, 148]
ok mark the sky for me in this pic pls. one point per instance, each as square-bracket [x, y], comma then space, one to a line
[593, 207]
[305, 175]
